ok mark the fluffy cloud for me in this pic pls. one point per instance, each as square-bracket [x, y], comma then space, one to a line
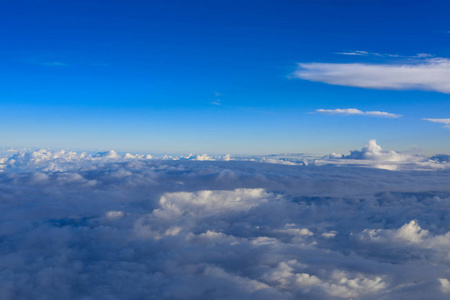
[429, 74]
[113, 226]
[354, 111]
[374, 156]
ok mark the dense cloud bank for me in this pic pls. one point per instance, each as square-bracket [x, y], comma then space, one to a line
[371, 155]
[79, 226]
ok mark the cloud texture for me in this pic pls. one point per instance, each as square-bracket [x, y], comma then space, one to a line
[111, 226]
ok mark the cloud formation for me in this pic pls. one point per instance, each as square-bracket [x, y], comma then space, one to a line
[354, 111]
[429, 74]
[112, 226]
[372, 155]
[367, 53]
[446, 122]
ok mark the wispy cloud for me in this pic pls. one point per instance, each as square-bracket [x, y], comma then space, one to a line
[52, 64]
[446, 122]
[356, 53]
[367, 53]
[354, 111]
[429, 74]
[217, 101]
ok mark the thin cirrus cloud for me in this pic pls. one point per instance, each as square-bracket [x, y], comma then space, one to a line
[354, 111]
[446, 122]
[430, 74]
[366, 53]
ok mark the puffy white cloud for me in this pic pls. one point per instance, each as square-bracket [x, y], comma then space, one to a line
[354, 111]
[430, 74]
[445, 285]
[373, 155]
[360, 286]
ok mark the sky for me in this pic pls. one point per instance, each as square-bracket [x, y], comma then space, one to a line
[248, 77]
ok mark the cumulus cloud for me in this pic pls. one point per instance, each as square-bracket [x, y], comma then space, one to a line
[114, 226]
[354, 111]
[429, 74]
[373, 155]
[446, 122]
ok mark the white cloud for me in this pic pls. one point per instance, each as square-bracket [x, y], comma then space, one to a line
[367, 53]
[354, 111]
[373, 155]
[446, 122]
[445, 285]
[355, 53]
[430, 74]
[345, 287]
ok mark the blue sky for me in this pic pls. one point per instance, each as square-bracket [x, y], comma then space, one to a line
[223, 76]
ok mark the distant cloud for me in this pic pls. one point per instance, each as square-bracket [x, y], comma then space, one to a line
[429, 74]
[367, 53]
[357, 53]
[217, 101]
[446, 122]
[53, 64]
[354, 111]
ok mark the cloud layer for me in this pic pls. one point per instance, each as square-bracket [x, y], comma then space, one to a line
[430, 74]
[112, 226]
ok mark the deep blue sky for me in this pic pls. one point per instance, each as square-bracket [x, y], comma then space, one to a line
[147, 75]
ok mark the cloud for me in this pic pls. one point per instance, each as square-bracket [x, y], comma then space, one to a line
[446, 122]
[428, 74]
[118, 226]
[355, 53]
[53, 64]
[367, 53]
[354, 111]
[374, 156]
